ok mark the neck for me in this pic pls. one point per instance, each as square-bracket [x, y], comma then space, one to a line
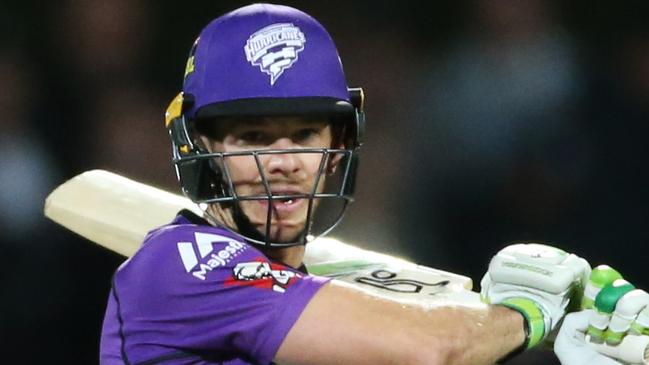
[291, 256]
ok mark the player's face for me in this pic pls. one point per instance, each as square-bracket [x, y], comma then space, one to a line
[286, 173]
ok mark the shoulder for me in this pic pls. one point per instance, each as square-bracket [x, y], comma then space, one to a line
[186, 248]
[185, 267]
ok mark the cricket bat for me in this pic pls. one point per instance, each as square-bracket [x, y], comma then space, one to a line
[116, 212]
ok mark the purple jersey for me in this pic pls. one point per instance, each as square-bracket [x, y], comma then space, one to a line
[198, 294]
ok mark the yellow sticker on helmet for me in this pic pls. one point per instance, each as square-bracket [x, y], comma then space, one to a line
[189, 68]
[174, 109]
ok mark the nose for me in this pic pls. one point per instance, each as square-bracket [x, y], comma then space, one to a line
[285, 164]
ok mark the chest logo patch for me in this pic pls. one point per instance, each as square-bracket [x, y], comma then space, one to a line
[275, 48]
[201, 257]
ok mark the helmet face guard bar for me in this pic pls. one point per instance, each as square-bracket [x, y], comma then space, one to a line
[222, 189]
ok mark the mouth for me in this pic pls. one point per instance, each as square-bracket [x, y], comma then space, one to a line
[284, 201]
[287, 205]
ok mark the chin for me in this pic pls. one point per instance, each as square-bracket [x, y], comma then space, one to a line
[283, 233]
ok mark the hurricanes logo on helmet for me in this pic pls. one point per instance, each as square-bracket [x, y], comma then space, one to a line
[275, 48]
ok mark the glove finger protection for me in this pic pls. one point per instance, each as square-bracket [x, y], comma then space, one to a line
[619, 307]
[619, 320]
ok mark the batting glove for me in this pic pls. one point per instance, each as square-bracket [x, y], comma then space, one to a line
[539, 281]
[615, 323]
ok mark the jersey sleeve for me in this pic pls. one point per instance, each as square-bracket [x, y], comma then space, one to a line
[204, 290]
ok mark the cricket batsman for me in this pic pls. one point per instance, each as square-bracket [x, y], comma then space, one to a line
[265, 136]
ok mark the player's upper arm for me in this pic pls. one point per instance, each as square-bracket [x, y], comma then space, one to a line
[343, 325]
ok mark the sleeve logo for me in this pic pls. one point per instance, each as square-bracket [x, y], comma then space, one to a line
[263, 274]
[199, 257]
[275, 48]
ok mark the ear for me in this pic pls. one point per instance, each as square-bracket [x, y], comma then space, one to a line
[334, 159]
[338, 132]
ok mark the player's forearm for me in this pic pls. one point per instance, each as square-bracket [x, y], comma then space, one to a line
[460, 335]
[477, 335]
[345, 326]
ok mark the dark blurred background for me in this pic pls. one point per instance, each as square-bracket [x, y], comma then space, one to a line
[489, 122]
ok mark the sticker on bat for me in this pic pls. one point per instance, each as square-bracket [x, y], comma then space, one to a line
[387, 280]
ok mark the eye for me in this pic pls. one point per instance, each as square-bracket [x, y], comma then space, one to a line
[252, 136]
[305, 134]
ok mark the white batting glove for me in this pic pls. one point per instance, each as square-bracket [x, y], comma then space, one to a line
[616, 323]
[537, 280]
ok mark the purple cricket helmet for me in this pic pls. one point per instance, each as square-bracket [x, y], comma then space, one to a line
[263, 60]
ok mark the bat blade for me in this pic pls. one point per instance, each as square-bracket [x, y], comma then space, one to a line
[111, 210]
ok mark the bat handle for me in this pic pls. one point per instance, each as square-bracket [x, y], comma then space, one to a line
[632, 350]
